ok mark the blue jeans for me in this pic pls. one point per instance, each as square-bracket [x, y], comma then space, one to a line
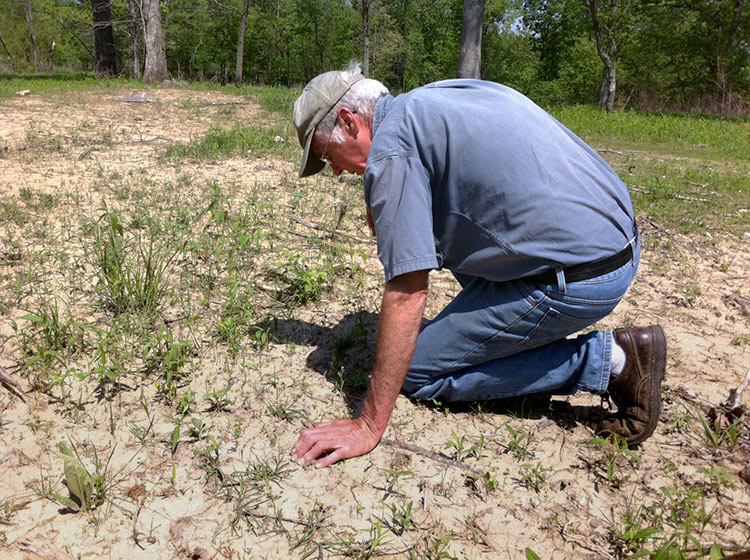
[506, 339]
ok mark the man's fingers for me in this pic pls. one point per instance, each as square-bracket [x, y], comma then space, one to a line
[315, 451]
[331, 458]
[310, 446]
[342, 439]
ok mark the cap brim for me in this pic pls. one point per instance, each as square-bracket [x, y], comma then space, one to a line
[311, 164]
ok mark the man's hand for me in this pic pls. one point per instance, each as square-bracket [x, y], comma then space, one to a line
[341, 439]
[398, 328]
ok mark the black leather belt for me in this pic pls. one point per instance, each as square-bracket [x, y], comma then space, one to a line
[585, 271]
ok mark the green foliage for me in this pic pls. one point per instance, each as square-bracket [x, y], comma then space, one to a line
[50, 336]
[531, 555]
[304, 284]
[165, 358]
[675, 55]
[461, 449]
[533, 476]
[78, 480]
[223, 143]
[401, 518]
[617, 457]
[278, 100]
[669, 528]
[87, 491]
[519, 443]
[697, 135]
[130, 269]
[716, 434]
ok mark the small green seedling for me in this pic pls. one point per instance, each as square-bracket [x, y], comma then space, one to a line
[79, 481]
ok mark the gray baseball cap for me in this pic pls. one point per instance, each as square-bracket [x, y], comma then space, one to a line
[318, 97]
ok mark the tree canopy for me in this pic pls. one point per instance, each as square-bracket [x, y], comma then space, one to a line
[675, 54]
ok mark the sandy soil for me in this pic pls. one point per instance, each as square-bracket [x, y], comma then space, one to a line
[490, 495]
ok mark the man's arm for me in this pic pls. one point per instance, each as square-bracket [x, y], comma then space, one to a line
[400, 318]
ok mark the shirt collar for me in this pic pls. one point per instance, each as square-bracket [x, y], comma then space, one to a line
[381, 108]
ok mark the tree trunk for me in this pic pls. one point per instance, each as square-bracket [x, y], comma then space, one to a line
[156, 57]
[607, 48]
[608, 90]
[32, 35]
[725, 51]
[366, 38]
[135, 16]
[104, 39]
[5, 47]
[241, 44]
[470, 56]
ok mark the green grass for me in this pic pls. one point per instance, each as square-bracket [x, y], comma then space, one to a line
[253, 141]
[59, 82]
[276, 99]
[688, 135]
[687, 197]
[688, 173]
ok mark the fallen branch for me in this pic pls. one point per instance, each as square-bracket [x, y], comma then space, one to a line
[318, 227]
[735, 395]
[10, 256]
[99, 145]
[606, 151]
[646, 190]
[744, 305]
[9, 383]
[431, 455]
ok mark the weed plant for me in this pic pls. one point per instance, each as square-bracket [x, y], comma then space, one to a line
[130, 269]
[671, 527]
[617, 457]
[46, 342]
[165, 358]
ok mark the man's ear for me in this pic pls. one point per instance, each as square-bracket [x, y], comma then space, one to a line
[349, 121]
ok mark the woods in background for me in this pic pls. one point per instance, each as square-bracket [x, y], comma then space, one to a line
[675, 54]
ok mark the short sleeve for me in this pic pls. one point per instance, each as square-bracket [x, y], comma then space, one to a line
[397, 190]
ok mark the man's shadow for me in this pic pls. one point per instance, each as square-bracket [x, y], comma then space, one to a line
[344, 356]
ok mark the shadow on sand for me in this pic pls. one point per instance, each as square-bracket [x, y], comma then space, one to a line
[344, 353]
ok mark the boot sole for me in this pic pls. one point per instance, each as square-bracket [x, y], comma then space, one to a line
[656, 367]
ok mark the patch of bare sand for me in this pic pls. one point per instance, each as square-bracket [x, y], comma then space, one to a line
[168, 505]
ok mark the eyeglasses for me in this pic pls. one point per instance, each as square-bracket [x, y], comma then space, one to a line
[324, 156]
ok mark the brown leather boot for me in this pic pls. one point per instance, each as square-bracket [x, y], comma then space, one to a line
[637, 390]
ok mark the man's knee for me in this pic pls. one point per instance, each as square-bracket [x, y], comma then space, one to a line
[413, 383]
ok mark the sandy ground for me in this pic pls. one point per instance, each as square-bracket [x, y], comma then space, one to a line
[491, 494]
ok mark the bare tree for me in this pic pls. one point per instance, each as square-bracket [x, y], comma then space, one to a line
[32, 35]
[104, 39]
[470, 56]
[609, 20]
[135, 16]
[728, 42]
[241, 43]
[5, 47]
[366, 38]
[156, 57]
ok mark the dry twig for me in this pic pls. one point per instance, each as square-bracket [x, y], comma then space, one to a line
[319, 227]
[735, 395]
[9, 383]
[430, 455]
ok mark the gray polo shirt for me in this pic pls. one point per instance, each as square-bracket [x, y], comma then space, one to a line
[474, 177]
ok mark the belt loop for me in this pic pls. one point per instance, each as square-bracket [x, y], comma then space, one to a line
[561, 286]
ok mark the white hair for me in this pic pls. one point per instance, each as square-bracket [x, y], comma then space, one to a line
[360, 98]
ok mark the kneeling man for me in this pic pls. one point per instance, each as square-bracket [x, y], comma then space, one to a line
[537, 228]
